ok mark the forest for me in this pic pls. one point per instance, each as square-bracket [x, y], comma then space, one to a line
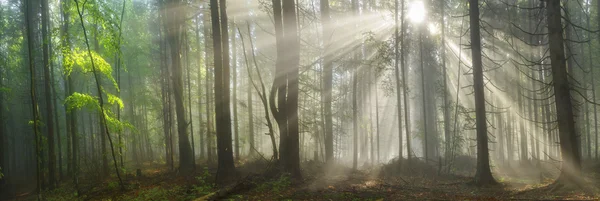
[299, 99]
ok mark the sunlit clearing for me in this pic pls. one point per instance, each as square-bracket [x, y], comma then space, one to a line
[416, 12]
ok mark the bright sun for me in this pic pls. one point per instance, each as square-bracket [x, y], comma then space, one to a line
[416, 11]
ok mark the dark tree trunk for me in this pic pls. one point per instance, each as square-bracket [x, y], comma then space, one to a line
[199, 57]
[404, 81]
[234, 95]
[226, 169]
[397, 61]
[280, 83]
[29, 14]
[71, 116]
[48, 96]
[483, 176]
[327, 79]
[189, 91]
[209, 123]
[564, 107]
[285, 85]
[175, 21]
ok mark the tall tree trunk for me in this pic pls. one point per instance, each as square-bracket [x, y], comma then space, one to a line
[226, 169]
[118, 64]
[251, 141]
[483, 176]
[73, 138]
[263, 97]
[446, 94]
[280, 83]
[404, 83]
[80, 12]
[199, 57]
[292, 44]
[424, 100]
[29, 14]
[209, 91]
[355, 119]
[327, 78]
[234, 95]
[175, 21]
[564, 108]
[165, 90]
[189, 91]
[48, 95]
[397, 61]
[594, 90]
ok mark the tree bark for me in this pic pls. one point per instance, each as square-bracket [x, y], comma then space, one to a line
[199, 57]
[483, 176]
[175, 21]
[327, 79]
[226, 169]
[48, 95]
[564, 108]
[29, 14]
[397, 61]
[234, 95]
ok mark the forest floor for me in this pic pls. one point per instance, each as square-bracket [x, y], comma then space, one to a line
[420, 182]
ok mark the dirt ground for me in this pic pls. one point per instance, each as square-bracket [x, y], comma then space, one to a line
[335, 182]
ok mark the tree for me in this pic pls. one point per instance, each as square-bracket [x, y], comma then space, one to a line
[29, 14]
[103, 114]
[327, 79]
[483, 176]
[285, 85]
[175, 21]
[236, 129]
[48, 96]
[562, 94]
[262, 93]
[404, 85]
[226, 168]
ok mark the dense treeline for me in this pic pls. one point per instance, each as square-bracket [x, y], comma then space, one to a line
[94, 89]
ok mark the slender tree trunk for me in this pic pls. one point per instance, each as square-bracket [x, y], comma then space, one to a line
[397, 73]
[199, 57]
[72, 134]
[251, 140]
[48, 95]
[209, 123]
[175, 21]
[118, 64]
[29, 9]
[424, 100]
[594, 93]
[446, 95]
[189, 91]
[234, 95]
[80, 12]
[483, 176]
[262, 94]
[327, 79]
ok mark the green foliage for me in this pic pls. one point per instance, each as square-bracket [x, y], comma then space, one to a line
[81, 60]
[113, 185]
[1, 175]
[276, 186]
[78, 101]
[157, 193]
[204, 185]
